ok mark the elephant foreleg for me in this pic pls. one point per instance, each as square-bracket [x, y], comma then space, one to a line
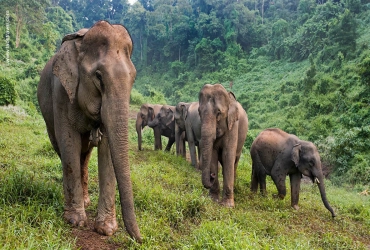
[171, 141]
[191, 143]
[105, 222]
[157, 138]
[228, 167]
[70, 145]
[295, 184]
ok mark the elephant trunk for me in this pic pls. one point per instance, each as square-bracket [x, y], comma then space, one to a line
[115, 116]
[208, 132]
[321, 186]
[139, 122]
[153, 123]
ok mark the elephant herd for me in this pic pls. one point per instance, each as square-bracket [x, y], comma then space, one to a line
[84, 93]
[215, 127]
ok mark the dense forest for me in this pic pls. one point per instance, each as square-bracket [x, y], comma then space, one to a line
[300, 65]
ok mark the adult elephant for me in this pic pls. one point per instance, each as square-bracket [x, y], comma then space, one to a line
[188, 120]
[84, 94]
[278, 154]
[224, 127]
[165, 122]
[146, 114]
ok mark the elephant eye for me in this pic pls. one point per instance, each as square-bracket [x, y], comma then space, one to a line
[100, 78]
[98, 75]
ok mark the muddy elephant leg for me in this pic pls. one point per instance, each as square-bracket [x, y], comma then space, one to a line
[214, 191]
[279, 180]
[157, 138]
[105, 222]
[85, 157]
[228, 167]
[69, 142]
[295, 184]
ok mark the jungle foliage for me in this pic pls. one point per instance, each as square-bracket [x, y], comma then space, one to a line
[301, 65]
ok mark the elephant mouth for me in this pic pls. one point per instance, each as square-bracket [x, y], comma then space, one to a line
[314, 179]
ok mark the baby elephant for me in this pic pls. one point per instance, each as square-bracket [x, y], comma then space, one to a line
[278, 154]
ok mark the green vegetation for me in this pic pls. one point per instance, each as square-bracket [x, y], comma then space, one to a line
[172, 207]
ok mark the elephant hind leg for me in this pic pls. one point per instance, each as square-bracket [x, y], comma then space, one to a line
[279, 180]
[258, 175]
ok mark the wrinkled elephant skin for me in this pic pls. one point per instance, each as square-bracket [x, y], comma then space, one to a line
[84, 94]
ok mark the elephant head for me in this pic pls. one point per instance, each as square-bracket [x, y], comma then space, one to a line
[164, 119]
[307, 159]
[181, 113]
[145, 115]
[94, 66]
[218, 112]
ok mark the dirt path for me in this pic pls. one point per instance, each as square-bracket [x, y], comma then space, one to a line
[88, 239]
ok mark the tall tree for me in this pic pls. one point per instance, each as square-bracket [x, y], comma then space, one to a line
[28, 13]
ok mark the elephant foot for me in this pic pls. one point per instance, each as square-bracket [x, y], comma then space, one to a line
[75, 217]
[279, 196]
[107, 227]
[228, 203]
[214, 196]
[87, 201]
[296, 207]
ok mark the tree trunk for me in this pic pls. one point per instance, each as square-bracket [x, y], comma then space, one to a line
[19, 26]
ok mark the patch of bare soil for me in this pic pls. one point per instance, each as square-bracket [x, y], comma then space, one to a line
[88, 239]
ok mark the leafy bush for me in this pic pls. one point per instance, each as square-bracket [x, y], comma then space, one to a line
[136, 98]
[7, 91]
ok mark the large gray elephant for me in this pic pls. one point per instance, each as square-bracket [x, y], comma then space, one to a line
[188, 120]
[84, 94]
[146, 114]
[223, 132]
[165, 121]
[278, 154]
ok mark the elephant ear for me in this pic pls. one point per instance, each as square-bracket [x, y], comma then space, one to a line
[170, 113]
[184, 111]
[295, 154]
[151, 114]
[233, 113]
[65, 65]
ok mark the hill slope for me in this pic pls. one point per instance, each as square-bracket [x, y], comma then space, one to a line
[173, 209]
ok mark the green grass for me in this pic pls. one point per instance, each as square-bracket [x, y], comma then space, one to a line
[172, 207]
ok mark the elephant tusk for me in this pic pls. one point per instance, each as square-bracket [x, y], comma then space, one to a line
[317, 181]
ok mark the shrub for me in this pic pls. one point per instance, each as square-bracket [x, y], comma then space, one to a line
[7, 91]
[136, 98]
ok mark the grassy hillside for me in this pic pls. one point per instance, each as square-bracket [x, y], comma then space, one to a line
[172, 207]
